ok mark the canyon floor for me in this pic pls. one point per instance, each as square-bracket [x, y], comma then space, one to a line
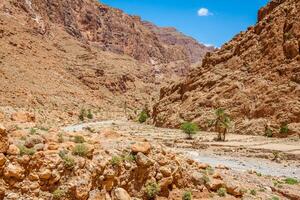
[254, 159]
[105, 157]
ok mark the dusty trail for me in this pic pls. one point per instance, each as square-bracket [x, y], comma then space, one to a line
[240, 152]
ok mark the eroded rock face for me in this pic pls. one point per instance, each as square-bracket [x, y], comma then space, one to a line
[101, 53]
[254, 77]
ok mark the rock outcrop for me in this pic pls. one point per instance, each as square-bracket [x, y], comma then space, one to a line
[66, 54]
[173, 38]
[255, 77]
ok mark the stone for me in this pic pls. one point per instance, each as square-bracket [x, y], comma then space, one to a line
[23, 117]
[291, 48]
[216, 184]
[3, 139]
[120, 194]
[198, 178]
[53, 146]
[203, 165]
[165, 171]
[45, 174]
[39, 147]
[33, 140]
[143, 147]
[2, 159]
[14, 171]
[143, 161]
[13, 150]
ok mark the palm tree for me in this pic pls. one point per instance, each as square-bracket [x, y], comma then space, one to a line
[222, 123]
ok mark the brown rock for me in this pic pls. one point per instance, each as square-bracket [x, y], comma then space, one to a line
[53, 146]
[45, 174]
[228, 78]
[3, 139]
[13, 150]
[165, 171]
[143, 161]
[23, 117]
[120, 194]
[291, 49]
[14, 171]
[33, 140]
[143, 147]
[215, 184]
[2, 159]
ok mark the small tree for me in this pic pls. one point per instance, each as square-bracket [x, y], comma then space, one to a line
[82, 114]
[89, 114]
[222, 123]
[189, 128]
[187, 195]
[152, 189]
[143, 116]
[284, 129]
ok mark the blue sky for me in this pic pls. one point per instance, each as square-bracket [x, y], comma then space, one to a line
[216, 23]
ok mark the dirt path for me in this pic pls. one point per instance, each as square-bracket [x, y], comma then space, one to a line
[240, 152]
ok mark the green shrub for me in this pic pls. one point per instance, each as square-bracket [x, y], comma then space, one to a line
[275, 198]
[187, 195]
[189, 128]
[60, 138]
[32, 131]
[116, 160]
[268, 133]
[90, 129]
[26, 151]
[129, 157]
[44, 128]
[152, 189]
[222, 192]
[205, 179]
[253, 192]
[58, 194]
[80, 150]
[90, 114]
[209, 170]
[79, 139]
[69, 162]
[291, 181]
[82, 114]
[284, 129]
[143, 116]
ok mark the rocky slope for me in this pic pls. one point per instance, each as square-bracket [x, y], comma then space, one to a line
[103, 163]
[255, 77]
[71, 54]
[170, 36]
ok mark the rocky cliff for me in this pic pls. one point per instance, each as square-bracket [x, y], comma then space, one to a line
[74, 53]
[255, 77]
[172, 37]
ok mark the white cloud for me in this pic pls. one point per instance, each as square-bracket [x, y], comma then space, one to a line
[204, 12]
[209, 45]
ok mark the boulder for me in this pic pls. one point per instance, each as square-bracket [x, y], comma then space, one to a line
[216, 184]
[45, 174]
[165, 171]
[143, 161]
[23, 117]
[143, 147]
[120, 194]
[2, 159]
[13, 150]
[33, 140]
[3, 139]
[14, 171]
